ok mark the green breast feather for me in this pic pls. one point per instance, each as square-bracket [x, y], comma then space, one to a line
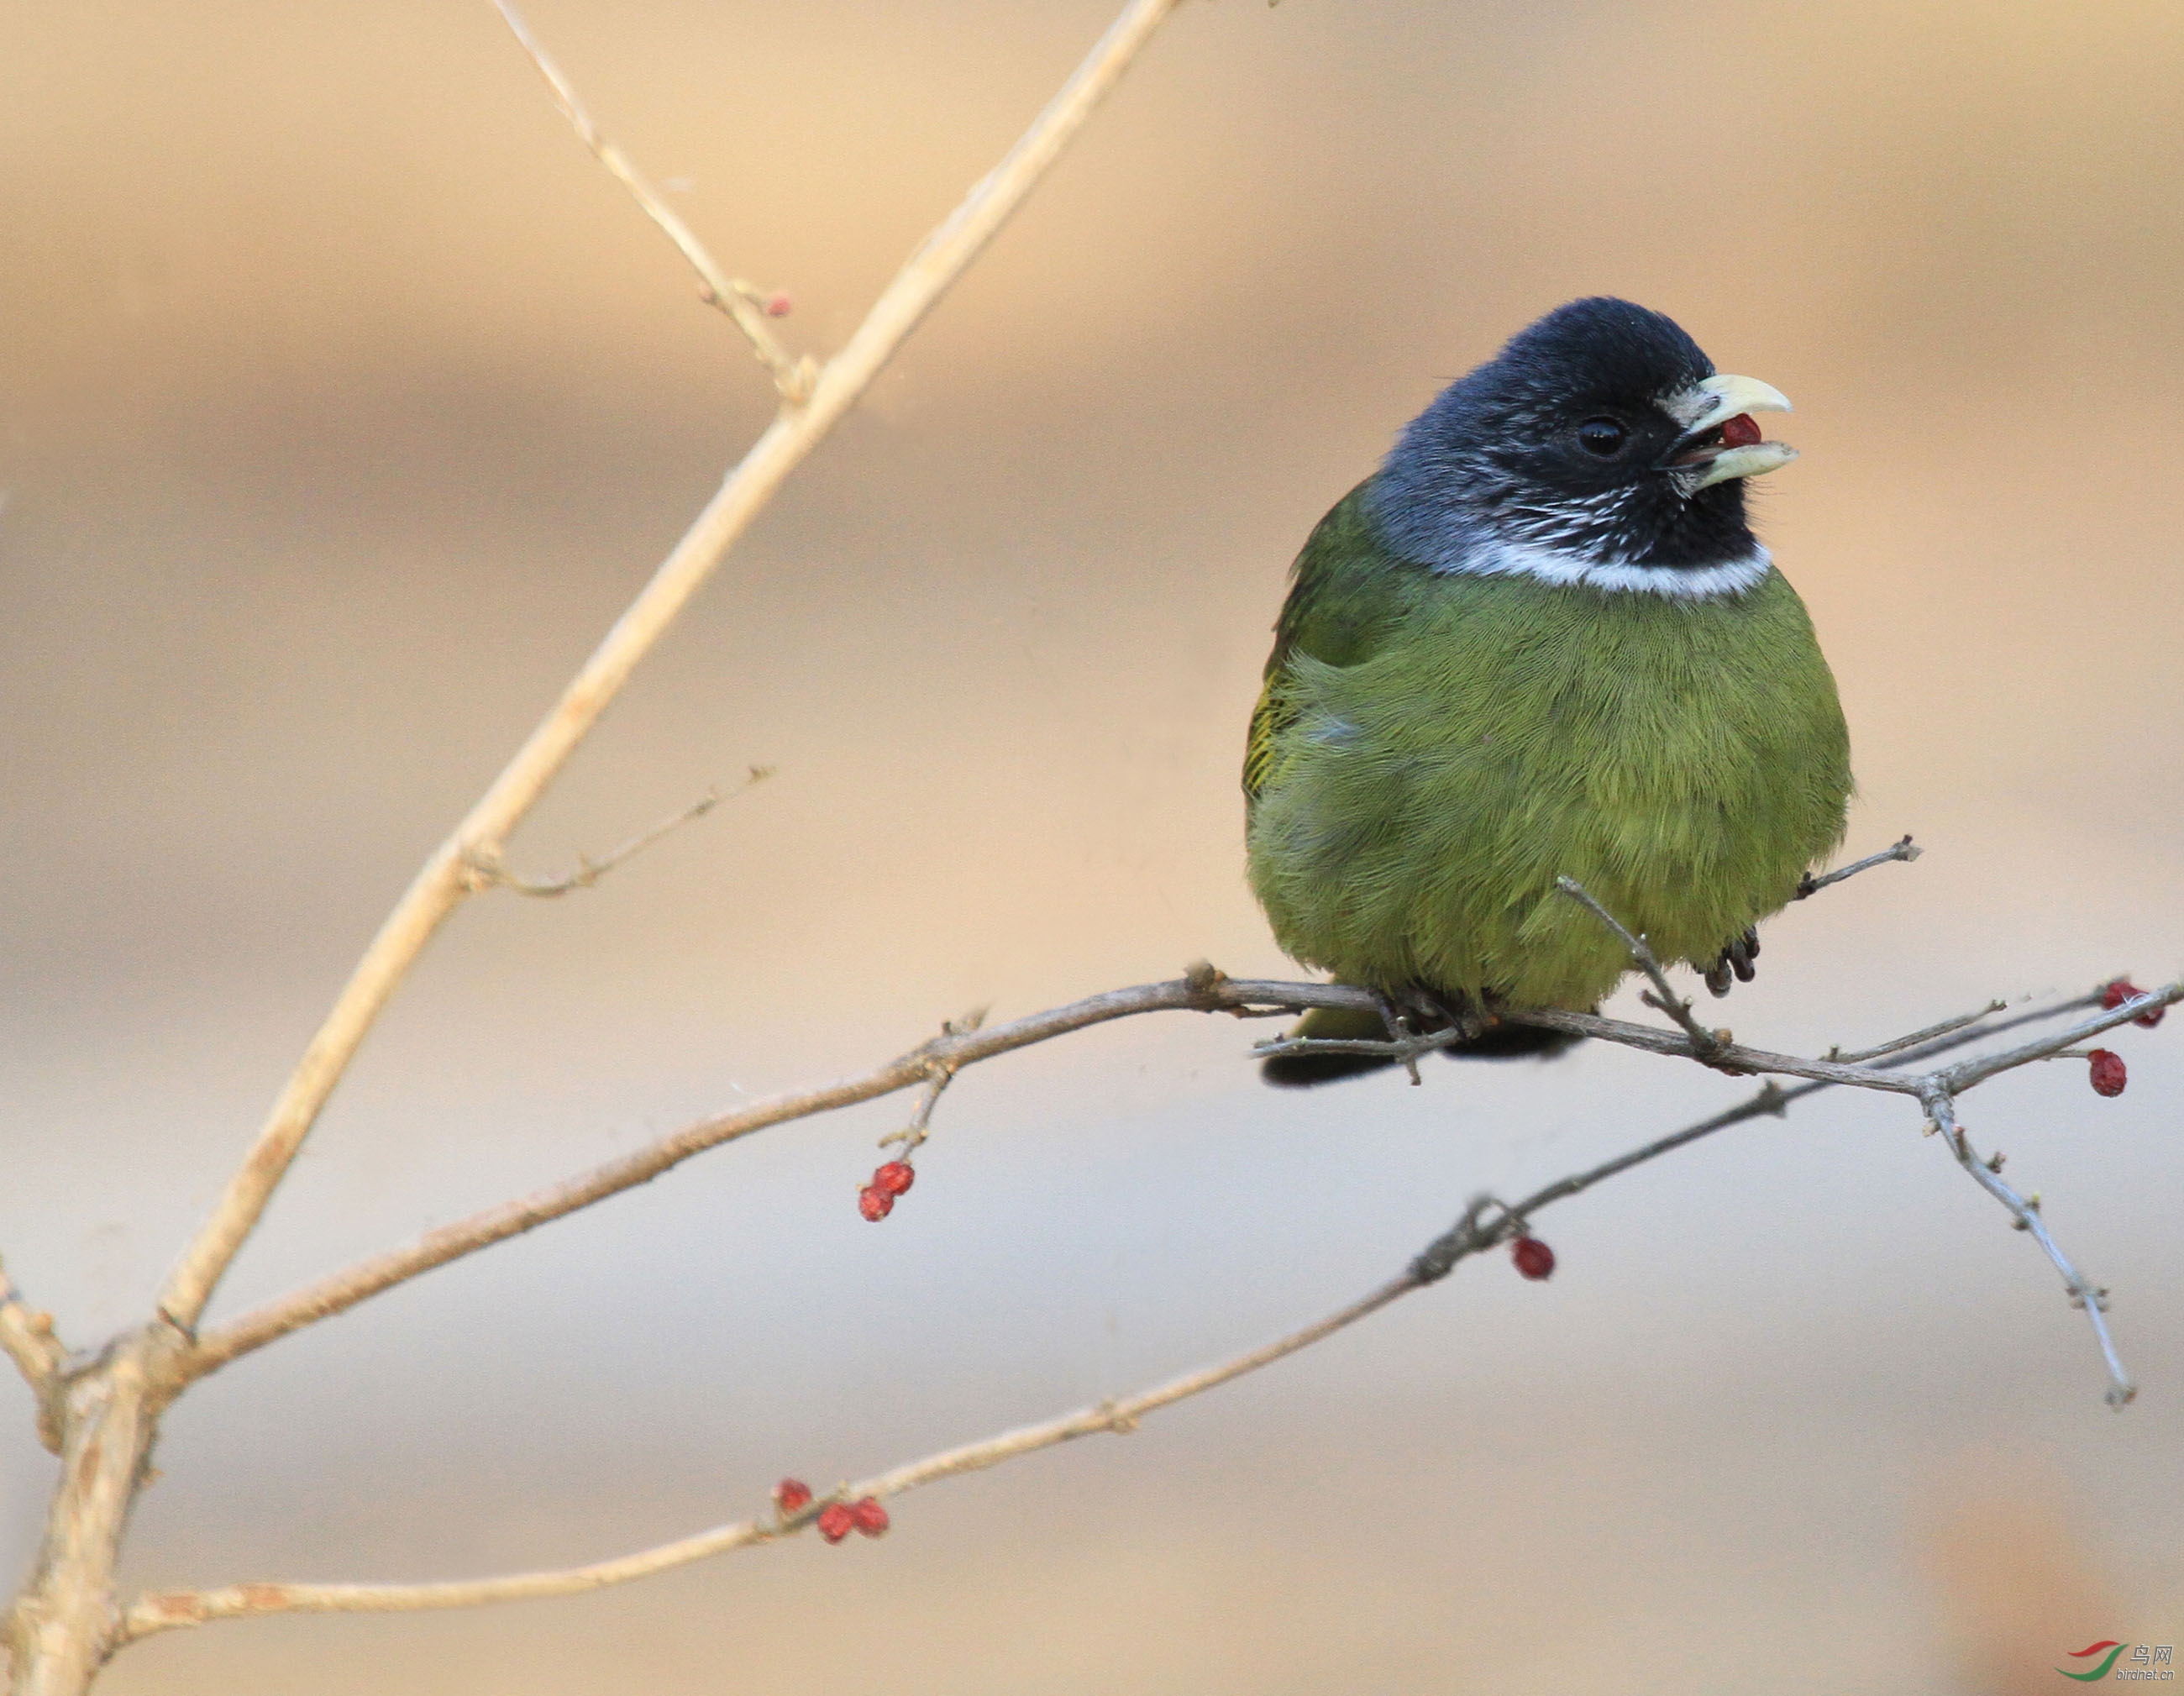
[1433, 751]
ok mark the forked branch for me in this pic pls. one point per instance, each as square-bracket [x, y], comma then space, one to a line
[494, 873]
[744, 304]
[1204, 990]
[1485, 1224]
[26, 1337]
[447, 876]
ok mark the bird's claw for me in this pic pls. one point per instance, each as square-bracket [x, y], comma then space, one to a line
[1736, 959]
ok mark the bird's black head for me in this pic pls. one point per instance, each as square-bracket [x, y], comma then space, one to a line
[1598, 446]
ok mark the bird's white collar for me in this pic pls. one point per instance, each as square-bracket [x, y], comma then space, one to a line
[1544, 564]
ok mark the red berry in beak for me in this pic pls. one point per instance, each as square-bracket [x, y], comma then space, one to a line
[2106, 1071]
[1740, 433]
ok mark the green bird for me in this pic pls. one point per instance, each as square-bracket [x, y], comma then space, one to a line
[1542, 642]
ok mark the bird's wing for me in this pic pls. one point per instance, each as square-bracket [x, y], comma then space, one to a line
[1345, 594]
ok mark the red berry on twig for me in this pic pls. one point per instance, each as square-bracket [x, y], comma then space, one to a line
[2106, 1071]
[1534, 1258]
[2123, 990]
[874, 1203]
[869, 1516]
[792, 1495]
[779, 306]
[836, 1521]
[895, 1179]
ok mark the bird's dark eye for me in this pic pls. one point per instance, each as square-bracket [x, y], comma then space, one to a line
[1602, 438]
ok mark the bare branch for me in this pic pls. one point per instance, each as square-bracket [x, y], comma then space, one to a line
[1905, 849]
[1934, 1091]
[1957, 1038]
[495, 873]
[1485, 1224]
[1916, 1037]
[1705, 1043]
[939, 1075]
[1962, 1076]
[743, 304]
[446, 878]
[2024, 1212]
[26, 1337]
[1204, 990]
[1733, 1057]
[949, 1052]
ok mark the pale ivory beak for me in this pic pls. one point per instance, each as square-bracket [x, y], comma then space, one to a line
[1706, 406]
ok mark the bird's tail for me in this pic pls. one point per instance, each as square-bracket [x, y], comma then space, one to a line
[1499, 1040]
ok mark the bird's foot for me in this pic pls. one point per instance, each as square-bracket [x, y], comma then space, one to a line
[1735, 959]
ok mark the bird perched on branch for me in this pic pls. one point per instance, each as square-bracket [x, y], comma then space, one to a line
[1542, 641]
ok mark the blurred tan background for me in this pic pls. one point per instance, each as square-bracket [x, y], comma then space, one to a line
[346, 400]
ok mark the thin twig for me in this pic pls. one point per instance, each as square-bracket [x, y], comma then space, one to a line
[1473, 1233]
[1402, 1049]
[1905, 849]
[496, 875]
[341, 1290]
[1485, 1224]
[1917, 1037]
[1203, 989]
[743, 304]
[2026, 1213]
[1962, 1076]
[1730, 1057]
[445, 878]
[1705, 1043]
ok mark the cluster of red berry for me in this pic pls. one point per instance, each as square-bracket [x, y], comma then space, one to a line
[2106, 1069]
[875, 1201]
[2115, 995]
[837, 1519]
